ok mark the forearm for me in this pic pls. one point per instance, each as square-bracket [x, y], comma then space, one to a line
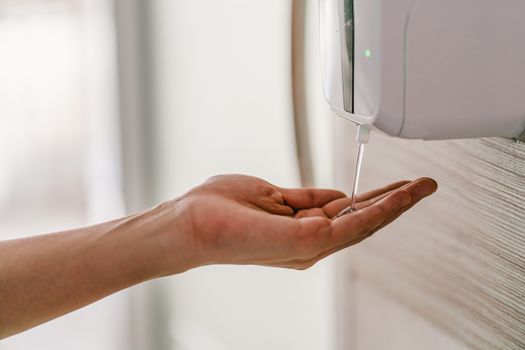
[47, 276]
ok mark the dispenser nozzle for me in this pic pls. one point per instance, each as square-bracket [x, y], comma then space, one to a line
[363, 134]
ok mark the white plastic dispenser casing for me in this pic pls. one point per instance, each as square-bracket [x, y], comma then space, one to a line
[426, 69]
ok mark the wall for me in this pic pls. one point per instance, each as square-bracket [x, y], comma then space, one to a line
[452, 271]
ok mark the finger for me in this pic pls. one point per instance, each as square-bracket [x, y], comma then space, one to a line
[278, 209]
[365, 203]
[306, 198]
[379, 191]
[273, 203]
[335, 207]
[369, 202]
[321, 254]
[349, 227]
[418, 190]
[305, 213]
[357, 239]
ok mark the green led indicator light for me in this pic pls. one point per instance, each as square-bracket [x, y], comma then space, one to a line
[368, 53]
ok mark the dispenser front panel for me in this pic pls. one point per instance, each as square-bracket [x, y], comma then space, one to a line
[465, 69]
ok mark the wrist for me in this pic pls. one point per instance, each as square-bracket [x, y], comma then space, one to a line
[153, 243]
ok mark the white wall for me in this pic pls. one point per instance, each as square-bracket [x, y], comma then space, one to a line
[222, 104]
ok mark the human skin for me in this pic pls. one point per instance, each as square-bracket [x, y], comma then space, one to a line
[230, 219]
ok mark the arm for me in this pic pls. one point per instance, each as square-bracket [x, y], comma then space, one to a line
[44, 277]
[227, 220]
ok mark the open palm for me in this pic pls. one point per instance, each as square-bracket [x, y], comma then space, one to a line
[238, 219]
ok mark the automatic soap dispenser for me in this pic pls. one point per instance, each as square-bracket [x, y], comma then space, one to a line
[426, 69]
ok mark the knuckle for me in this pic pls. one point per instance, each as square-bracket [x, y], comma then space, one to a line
[267, 190]
[277, 196]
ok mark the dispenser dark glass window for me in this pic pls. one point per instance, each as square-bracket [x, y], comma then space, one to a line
[347, 53]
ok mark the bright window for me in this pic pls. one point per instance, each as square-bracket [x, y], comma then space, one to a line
[59, 143]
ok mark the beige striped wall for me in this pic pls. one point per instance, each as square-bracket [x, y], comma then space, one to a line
[457, 261]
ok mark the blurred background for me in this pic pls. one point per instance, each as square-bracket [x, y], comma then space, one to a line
[108, 107]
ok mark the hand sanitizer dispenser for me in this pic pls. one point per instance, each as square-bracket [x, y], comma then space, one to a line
[426, 69]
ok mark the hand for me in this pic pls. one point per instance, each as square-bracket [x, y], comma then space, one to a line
[236, 219]
[228, 220]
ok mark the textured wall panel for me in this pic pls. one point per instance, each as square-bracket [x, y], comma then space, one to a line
[458, 259]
